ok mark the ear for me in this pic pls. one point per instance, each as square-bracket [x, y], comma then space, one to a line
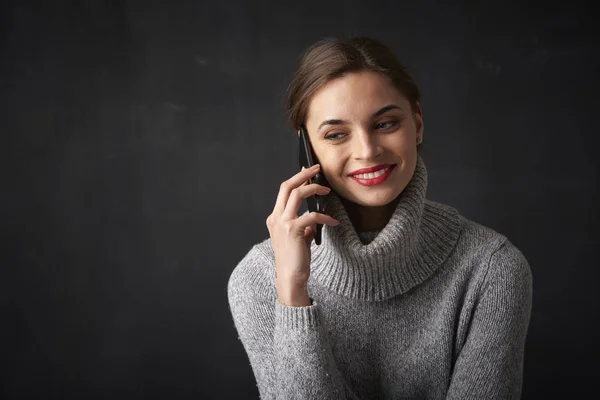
[418, 116]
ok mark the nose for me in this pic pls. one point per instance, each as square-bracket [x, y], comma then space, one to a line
[366, 146]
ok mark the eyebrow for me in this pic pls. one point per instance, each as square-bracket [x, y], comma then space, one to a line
[342, 122]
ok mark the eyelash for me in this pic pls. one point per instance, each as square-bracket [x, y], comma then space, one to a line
[331, 137]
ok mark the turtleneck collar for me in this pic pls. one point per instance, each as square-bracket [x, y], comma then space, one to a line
[417, 239]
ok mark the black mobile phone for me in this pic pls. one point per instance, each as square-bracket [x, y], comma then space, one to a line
[308, 159]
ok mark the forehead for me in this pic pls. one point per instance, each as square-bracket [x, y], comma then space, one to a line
[353, 95]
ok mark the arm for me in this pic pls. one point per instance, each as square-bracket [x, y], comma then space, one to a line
[288, 347]
[490, 364]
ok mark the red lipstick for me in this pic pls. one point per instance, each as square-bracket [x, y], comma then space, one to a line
[370, 169]
[376, 180]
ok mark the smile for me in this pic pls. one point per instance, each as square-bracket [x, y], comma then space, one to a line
[373, 178]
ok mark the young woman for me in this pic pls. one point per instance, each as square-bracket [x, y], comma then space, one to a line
[404, 298]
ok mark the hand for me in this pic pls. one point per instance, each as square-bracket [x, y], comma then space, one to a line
[291, 236]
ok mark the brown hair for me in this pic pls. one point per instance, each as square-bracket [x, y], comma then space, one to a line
[332, 58]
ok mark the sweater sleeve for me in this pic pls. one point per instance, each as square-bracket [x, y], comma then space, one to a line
[490, 363]
[288, 347]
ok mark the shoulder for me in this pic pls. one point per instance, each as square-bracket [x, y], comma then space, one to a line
[471, 236]
[254, 275]
[464, 239]
[469, 229]
[501, 263]
[499, 251]
[486, 253]
[508, 267]
[501, 274]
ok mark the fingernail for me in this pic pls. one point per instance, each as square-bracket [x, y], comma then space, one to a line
[315, 166]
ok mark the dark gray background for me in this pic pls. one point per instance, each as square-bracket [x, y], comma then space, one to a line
[143, 144]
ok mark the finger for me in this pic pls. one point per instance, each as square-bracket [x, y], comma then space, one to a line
[309, 234]
[286, 187]
[298, 195]
[313, 218]
[306, 182]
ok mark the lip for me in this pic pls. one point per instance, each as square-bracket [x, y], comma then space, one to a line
[374, 181]
[370, 169]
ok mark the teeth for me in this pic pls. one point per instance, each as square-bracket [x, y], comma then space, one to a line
[372, 175]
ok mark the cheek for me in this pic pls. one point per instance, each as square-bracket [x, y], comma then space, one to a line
[405, 139]
[326, 158]
[333, 171]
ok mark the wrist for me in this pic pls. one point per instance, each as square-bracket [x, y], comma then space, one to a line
[295, 296]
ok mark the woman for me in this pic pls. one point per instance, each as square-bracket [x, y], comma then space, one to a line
[406, 298]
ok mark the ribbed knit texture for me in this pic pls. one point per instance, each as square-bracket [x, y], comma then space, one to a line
[433, 306]
[413, 245]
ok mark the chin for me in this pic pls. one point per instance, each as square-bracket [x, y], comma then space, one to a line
[384, 197]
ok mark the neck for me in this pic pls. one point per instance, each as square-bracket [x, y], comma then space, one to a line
[408, 247]
[369, 219]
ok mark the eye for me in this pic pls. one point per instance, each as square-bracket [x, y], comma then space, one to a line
[386, 125]
[334, 136]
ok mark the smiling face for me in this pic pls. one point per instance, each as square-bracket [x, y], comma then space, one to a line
[360, 121]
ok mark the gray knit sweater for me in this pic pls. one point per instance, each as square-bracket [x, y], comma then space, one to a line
[433, 306]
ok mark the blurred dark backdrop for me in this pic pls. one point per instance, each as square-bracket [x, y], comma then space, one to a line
[143, 144]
